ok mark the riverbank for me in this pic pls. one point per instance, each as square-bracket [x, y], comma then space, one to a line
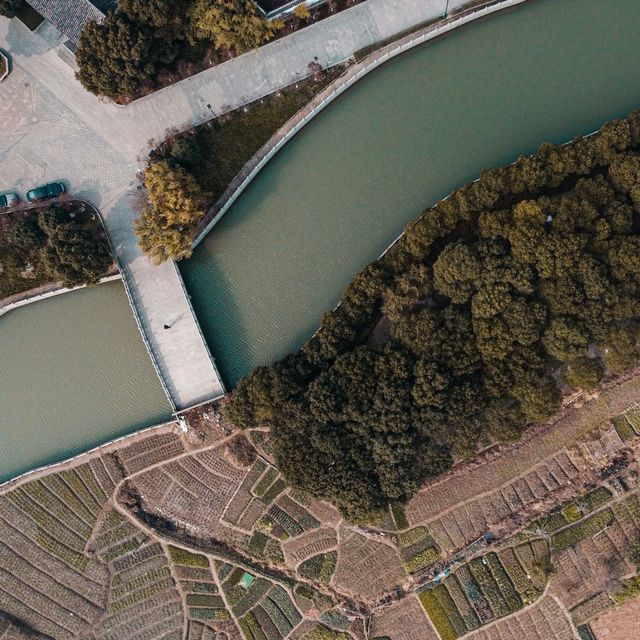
[60, 244]
[365, 64]
[47, 291]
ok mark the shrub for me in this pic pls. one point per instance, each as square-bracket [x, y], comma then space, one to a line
[572, 513]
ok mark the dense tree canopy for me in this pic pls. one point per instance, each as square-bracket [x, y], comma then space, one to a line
[117, 55]
[10, 8]
[490, 302]
[143, 38]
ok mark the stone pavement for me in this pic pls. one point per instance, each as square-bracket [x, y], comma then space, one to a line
[51, 128]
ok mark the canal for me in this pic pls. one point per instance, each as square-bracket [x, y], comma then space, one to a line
[401, 139]
[74, 371]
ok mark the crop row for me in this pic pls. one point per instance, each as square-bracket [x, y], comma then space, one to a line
[475, 595]
[504, 583]
[282, 600]
[209, 614]
[584, 529]
[190, 586]
[323, 633]
[591, 608]
[437, 615]
[281, 622]
[285, 521]
[412, 536]
[265, 482]
[623, 427]
[528, 591]
[253, 474]
[320, 567]
[249, 598]
[421, 560]
[250, 628]
[459, 598]
[184, 557]
[489, 587]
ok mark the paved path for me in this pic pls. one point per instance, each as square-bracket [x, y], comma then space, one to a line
[51, 128]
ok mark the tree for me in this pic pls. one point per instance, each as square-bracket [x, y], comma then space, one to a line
[27, 234]
[159, 240]
[231, 24]
[622, 349]
[167, 15]
[75, 256]
[584, 373]
[10, 8]
[115, 56]
[174, 192]
[302, 13]
[176, 204]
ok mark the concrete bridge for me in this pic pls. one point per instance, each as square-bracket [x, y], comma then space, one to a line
[52, 129]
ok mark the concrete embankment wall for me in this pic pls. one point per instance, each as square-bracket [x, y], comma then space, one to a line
[329, 94]
[29, 298]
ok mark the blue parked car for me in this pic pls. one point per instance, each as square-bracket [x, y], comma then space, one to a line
[51, 190]
[8, 199]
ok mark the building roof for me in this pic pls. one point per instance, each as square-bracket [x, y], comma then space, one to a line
[69, 16]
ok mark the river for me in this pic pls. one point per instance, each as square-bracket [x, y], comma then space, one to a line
[73, 369]
[401, 139]
[74, 372]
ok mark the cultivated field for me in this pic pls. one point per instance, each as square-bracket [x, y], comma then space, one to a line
[196, 535]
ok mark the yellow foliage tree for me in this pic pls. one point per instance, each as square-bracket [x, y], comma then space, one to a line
[301, 12]
[176, 204]
[231, 24]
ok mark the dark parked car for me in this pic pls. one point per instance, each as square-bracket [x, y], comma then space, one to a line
[8, 199]
[51, 190]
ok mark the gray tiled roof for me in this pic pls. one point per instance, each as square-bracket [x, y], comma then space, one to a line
[69, 16]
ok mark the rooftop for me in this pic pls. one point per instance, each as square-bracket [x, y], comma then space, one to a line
[69, 16]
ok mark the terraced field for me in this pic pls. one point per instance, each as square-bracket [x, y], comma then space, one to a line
[166, 535]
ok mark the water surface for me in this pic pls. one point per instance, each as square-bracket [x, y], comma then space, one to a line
[74, 373]
[401, 139]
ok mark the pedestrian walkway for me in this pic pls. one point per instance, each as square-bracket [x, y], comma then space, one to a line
[52, 129]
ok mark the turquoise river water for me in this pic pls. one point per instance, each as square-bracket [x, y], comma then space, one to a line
[401, 139]
[74, 371]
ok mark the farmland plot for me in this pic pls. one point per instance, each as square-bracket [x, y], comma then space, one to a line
[463, 524]
[545, 620]
[365, 566]
[470, 481]
[404, 621]
[618, 624]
